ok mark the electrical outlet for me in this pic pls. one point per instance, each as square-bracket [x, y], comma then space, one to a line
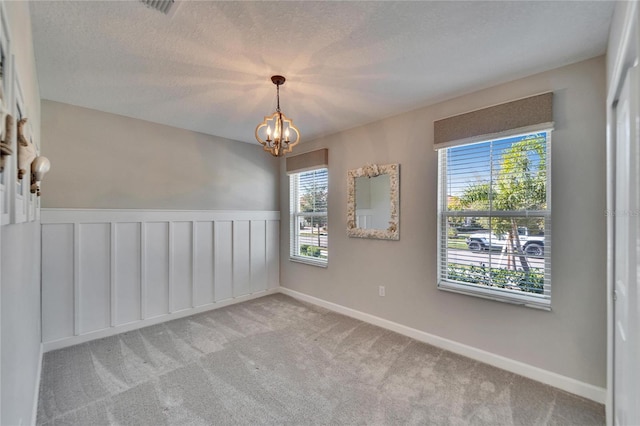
[381, 291]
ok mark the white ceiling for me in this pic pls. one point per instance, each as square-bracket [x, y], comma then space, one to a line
[208, 67]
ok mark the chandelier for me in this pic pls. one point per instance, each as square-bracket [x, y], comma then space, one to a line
[278, 129]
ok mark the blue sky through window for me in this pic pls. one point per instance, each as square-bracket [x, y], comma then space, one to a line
[472, 164]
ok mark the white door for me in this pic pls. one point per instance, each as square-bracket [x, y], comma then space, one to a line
[626, 388]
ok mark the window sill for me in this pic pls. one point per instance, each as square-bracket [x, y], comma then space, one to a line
[499, 295]
[309, 261]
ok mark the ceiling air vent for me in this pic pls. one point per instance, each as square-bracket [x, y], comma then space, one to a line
[164, 6]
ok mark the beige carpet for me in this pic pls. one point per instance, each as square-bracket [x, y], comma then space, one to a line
[275, 360]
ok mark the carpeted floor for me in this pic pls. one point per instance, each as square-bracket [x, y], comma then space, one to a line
[275, 360]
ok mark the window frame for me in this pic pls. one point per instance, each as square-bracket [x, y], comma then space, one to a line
[542, 301]
[295, 214]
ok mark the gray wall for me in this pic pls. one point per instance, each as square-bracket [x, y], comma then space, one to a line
[102, 160]
[571, 339]
[20, 260]
[20, 321]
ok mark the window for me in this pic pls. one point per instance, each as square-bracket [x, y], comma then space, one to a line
[495, 219]
[308, 199]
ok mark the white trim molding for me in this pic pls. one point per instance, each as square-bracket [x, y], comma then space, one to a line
[136, 215]
[559, 381]
[623, 52]
[109, 271]
[36, 392]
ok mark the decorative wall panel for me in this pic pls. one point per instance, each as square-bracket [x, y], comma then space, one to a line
[110, 271]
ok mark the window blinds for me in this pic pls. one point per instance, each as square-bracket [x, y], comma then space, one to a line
[495, 219]
[308, 210]
[308, 193]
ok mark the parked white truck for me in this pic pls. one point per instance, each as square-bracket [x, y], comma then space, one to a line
[532, 245]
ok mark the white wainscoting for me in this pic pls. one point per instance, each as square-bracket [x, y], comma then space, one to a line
[109, 271]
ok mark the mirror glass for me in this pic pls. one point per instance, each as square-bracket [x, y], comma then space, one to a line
[373, 202]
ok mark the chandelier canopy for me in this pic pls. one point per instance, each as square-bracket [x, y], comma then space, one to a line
[276, 133]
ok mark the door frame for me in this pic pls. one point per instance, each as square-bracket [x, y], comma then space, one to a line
[627, 51]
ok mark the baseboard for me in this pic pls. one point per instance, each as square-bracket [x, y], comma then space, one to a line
[36, 392]
[567, 384]
[75, 340]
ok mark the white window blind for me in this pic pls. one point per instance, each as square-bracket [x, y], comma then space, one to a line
[308, 206]
[494, 236]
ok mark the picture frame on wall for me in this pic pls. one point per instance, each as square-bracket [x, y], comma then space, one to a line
[20, 187]
[19, 142]
[6, 132]
[33, 199]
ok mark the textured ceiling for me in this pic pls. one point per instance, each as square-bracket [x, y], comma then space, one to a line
[208, 67]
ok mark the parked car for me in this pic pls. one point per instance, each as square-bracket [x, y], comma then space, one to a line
[532, 245]
[468, 228]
